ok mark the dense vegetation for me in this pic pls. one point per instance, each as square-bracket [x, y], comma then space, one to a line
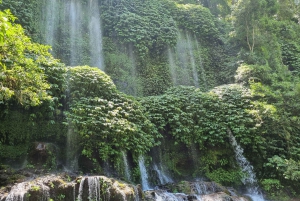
[253, 43]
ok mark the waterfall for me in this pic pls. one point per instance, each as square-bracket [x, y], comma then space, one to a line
[249, 179]
[136, 194]
[183, 60]
[166, 196]
[144, 174]
[93, 188]
[172, 67]
[71, 149]
[182, 65]
[133, 71]
[73, 28]
[17, 192]
[51, 17]
[203, 76]
[126, 166]
[192, 60]
[163, 178]
[95, 35]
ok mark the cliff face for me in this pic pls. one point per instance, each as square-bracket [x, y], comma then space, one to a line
[178, 59]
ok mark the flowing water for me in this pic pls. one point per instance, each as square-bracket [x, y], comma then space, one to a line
[144, 174]
[95, 34]
[71, 155]
[93, 188]
[183, 66]
[18, 192]
[200, 63]
[192, 61]
[126, 166]
[249, 180]
[79, 25]
[162, 176]
[172, 67]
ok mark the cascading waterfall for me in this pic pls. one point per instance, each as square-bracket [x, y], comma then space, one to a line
[182, 62]
[250, 179]
[75, 19]
[144, 174]
[126, 166]
[71, 159]
[82, 39]
[183, 59]
[163, 178]
[51, 17]
[17, 192]
[93, 188]
[133, 71]
[172, 67]
[192, 60]
[203, 76]
[95, 35]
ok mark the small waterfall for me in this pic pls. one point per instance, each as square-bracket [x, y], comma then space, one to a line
[204, 188]
[18, 192]
[163, 178]
[250, 179]
[51, 17]
[182, 65]
[203, 76]
[136, 194]
[126, 166]
[95, 35]
[172, 67]
[133, 72]
[71, 160]
[77, 25]
[75, 19]
[166, 196]
[93, 188]
[144, 174]
[46, 193]
[183, 60]
[192, 60]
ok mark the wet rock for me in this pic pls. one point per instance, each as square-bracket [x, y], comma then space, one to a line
[59, 187]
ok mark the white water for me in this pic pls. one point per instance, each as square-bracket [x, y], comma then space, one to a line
[51, 20]
[144, 174]
[81, 23]
[166, 196]
[93, 188]
[18, 192]
[182, 63]
[192, 60]
[162, 176]
[203, 75]
[136, 194]
[95, 35]
[172, 67]
[75, 19]
[182, 51]
[72, 144]
[126, 166]
[249, 179]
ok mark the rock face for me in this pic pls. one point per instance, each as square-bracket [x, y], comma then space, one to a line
[57, 187]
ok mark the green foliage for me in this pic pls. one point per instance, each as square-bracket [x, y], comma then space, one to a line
[225, 177]
[106, 120]
[21, 77]
[196, 19]
[190, 115]
[146, 25]
[289, 169]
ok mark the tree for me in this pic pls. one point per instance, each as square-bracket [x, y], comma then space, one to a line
[21, 77]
